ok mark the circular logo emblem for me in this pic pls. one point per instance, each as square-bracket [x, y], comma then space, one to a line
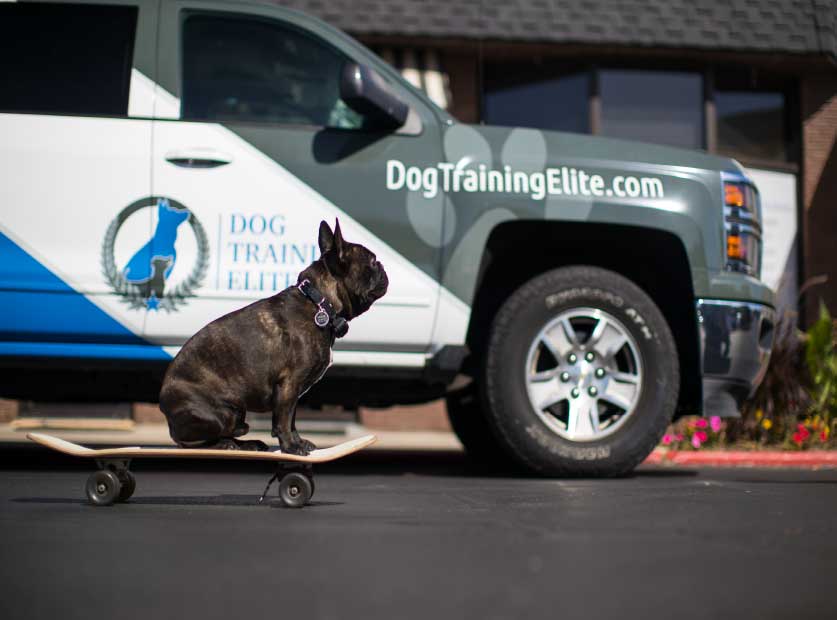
[143, 265]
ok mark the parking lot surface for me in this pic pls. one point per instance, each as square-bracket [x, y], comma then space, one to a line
[409, 535]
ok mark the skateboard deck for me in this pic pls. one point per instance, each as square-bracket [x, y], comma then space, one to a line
[113, 482]
[133, 452]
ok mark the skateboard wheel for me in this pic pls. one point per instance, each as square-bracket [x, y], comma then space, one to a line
[103, 488]
[295, 490]
[313, 486]
[129, 483]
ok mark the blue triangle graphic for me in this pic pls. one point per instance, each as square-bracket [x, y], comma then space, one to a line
[38, 306]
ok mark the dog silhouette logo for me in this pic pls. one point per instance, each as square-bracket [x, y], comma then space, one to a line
[144, 281]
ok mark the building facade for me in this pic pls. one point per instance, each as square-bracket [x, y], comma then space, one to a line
[751, 79]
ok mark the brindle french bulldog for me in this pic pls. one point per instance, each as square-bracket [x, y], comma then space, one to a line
[265, 356]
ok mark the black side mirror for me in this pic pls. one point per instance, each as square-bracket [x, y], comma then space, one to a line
[366, 92]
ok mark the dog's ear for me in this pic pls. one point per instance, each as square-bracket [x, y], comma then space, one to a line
[331, 248]
[338, 238]
[326, 238]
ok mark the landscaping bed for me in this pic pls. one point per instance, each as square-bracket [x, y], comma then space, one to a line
[793, 412]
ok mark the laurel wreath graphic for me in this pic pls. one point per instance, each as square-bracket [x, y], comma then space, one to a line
[133, 294]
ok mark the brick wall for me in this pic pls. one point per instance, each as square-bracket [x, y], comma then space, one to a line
[429, 417]
[819, 187]
[147, 413]
[8, 410]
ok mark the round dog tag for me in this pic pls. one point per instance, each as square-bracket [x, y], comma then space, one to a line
[321, 318]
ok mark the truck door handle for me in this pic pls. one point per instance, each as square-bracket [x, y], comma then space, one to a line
[198, 158]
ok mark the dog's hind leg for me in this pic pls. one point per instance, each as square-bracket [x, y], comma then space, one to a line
[189, 427]
[242, 428]
[209, 436]
[196, 423]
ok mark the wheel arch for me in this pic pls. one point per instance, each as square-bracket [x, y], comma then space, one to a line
[655, 260]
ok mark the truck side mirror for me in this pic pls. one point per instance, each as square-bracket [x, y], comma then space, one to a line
[366, 92]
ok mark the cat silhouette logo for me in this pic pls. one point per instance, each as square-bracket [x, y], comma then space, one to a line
[160, 272]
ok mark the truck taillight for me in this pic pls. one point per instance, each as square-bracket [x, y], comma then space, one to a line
[742, 223]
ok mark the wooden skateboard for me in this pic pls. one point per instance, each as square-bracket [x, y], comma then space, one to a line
[113, 482]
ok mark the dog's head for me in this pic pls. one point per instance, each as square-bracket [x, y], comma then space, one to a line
[355, 268]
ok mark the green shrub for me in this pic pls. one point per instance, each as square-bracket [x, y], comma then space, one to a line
[771, 414]
[821, 359]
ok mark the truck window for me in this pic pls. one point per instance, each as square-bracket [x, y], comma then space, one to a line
[252, 69]
[663, 107]
[751, 124]
[66, 58]
[527, 94]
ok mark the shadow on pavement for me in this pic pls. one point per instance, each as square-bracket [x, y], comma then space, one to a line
[192, 500]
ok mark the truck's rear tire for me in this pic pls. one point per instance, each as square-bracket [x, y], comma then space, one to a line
[581, 374]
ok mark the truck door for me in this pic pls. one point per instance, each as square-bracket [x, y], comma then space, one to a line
[76, 159]
[257, 147]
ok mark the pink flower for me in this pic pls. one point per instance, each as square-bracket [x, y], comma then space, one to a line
[702, 436]
[679, 436]
[696, 441]
[701, 423]
[667, 439]
[715, 423]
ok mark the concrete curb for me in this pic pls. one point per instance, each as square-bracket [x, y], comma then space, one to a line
[741, 458]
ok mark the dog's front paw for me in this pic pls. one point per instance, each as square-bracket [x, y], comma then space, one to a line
[308, 445]
[295, 446]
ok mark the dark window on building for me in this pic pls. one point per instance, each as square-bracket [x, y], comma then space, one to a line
[751, 125]
[530, 95]
[664, 107]
[250, 69]
[66, 59]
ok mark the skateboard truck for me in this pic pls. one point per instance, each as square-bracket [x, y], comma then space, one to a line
[296, 484]
[273, 478]
[113, 482]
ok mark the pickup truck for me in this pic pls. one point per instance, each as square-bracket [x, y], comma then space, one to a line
[166, 162]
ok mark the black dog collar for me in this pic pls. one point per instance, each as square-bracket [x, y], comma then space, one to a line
[325, 311]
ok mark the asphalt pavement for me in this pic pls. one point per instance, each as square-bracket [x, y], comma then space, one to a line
[416, 535]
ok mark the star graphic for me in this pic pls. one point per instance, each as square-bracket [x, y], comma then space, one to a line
[152, 303]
